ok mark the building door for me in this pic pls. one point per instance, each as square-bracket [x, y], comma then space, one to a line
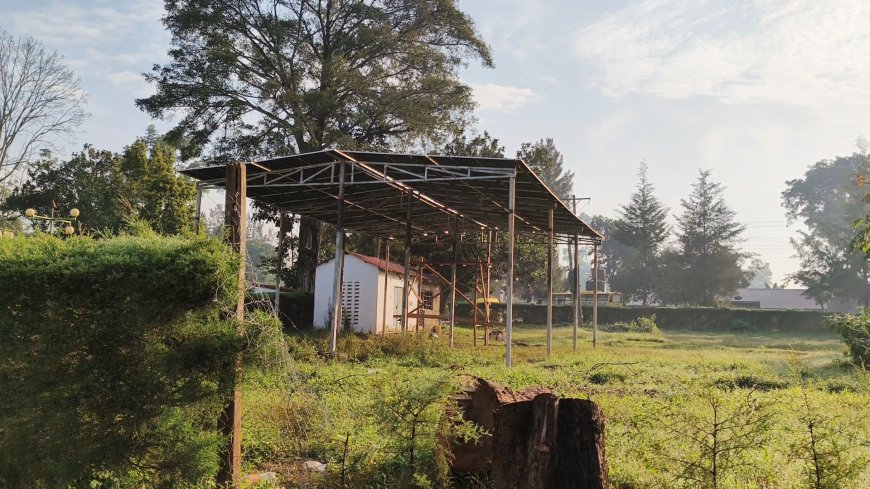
[397, 306]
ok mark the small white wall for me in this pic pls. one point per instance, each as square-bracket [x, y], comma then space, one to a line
[355, 270]
[371, 302]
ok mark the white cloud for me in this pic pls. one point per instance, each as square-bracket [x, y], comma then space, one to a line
[799, 53]
[502, 98]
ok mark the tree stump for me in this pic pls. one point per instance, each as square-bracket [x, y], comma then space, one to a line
[549, 443]
[479, 400]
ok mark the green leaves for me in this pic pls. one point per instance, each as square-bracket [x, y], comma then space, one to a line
[111, 346]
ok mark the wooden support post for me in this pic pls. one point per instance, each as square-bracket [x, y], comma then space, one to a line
[339, 263]
[595, 296]
[386, 282]
[405, 285]
[550, 244]
[509, 312]
[230, 422]
[453, 282]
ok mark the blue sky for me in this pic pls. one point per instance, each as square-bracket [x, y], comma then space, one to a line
[757, 90]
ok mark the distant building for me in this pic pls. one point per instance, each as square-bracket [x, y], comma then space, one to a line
[363, 295]
[774, 299]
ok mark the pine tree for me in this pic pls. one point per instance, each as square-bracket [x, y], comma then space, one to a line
[642, 228]
[547, 162]
[705, 266]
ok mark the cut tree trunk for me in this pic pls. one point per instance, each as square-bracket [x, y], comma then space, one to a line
[549, 443]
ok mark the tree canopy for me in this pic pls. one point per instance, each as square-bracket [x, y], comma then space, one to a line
[108, 188]
[40, 100]
[261, 77]
[642, 228]
[543, 157]
[705, 266]
[828, 199]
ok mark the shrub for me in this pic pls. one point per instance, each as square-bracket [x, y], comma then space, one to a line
[740, 326]
[643, 324]
[855, 330]
[116, 359]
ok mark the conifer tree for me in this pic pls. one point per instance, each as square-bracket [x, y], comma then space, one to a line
[642, 227]
[705, 266]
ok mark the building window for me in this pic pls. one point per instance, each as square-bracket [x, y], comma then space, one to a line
[428, 300]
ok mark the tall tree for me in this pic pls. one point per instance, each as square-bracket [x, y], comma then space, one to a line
[543, 157]
[642, 227]
[760, 275]
[828, 200]
[40, 100]
[705, 266]
[266, 77]
[108, 188]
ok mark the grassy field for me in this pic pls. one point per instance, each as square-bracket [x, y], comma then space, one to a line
[787, 410]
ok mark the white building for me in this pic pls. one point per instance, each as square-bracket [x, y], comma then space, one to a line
[363, 295]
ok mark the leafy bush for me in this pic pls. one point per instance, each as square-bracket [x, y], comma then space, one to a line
[643, 324]
[855, 330]
[740, 326]
[116, 359]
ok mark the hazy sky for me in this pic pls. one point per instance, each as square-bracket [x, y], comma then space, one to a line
[756, 90]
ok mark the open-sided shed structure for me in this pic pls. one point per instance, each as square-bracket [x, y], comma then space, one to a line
[392, 195]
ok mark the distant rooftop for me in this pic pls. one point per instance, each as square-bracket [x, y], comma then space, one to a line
[777, 298]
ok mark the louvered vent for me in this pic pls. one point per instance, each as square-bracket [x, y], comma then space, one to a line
[350, 304]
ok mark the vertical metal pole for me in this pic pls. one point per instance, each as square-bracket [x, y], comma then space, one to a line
[474, 306]
[420, 310]
[576, 297]
[339, 263]
[509, 312]
[406, 284]
[595, 296]
[576, 266]
[230, 421]
[198, 220]
[279, 264]
[453, 282]
[550, 284]
[487, 290]
[386, 281]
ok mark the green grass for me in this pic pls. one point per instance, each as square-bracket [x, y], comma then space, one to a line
[318, 405]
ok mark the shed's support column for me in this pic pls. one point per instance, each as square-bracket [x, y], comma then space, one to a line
[230, 422]
[487, 290]
[550, 285]
[198, 220]
[595, 296]
[386, 281]
[576, 298]
[339, 263]
[509, 312]
[279, 265]
[406, 284]
[453, 282]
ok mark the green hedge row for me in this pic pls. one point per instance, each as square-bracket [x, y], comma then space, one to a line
[692, 318]
[115, 360]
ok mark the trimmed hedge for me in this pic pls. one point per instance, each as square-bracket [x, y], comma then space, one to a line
[691, 318]
[115, 359]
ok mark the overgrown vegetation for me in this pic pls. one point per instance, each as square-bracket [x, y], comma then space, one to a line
[356, 413]
[116, 360]
[855, 330]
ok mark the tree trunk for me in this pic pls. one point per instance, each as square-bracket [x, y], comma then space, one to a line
[309, 249]
[549, 443]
